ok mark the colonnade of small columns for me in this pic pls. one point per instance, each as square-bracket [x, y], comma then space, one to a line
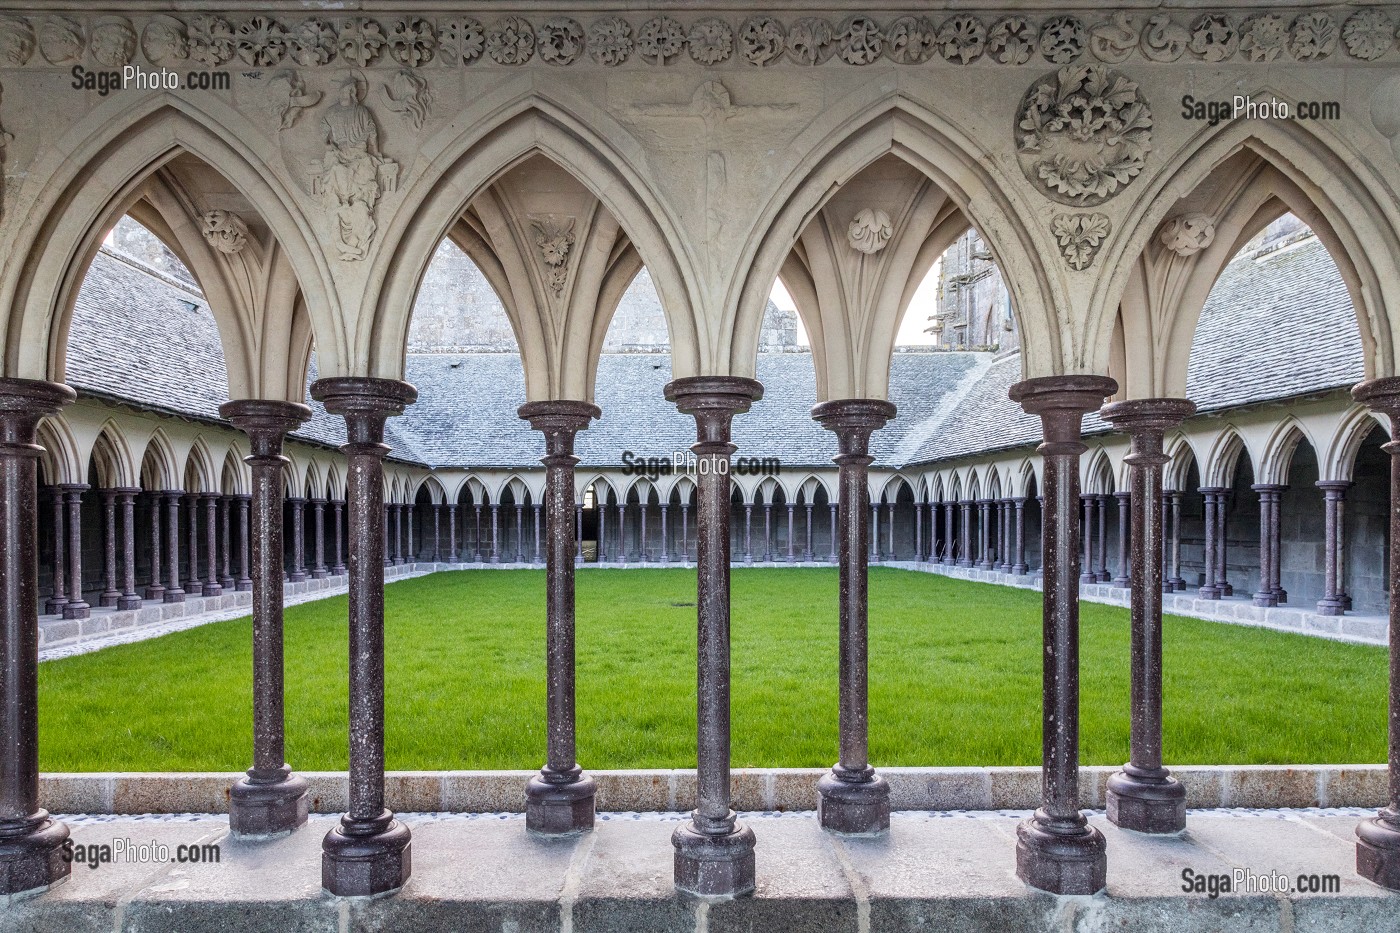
[368, 851]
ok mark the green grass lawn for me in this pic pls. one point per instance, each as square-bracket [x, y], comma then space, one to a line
[954, 680]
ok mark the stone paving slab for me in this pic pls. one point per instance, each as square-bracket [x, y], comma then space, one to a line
[951, 871]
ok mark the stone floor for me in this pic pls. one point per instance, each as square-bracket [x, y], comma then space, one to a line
[951, 871]
[1365, 628]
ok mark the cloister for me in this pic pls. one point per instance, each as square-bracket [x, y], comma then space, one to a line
[269, 425]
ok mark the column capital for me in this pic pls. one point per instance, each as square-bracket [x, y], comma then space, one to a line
[1382, 395]
[365, 403]
[24, 401]
[73, 488]
[713, 401]
[559, 420]
[1213, 490]
[1334, 485]
[1147, 415]
[265, 422]
[1268, 487]
[853, 420]
[1061, 402]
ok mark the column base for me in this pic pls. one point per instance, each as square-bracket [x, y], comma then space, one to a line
[1061, 864]
[213, 589]
[296, 576]
[54, 607]
[338, 570]
[243, 586]
[320, 574]
[34, 861]
[1328, 606]
[129, 602]
[1146, 803]
[194, 588]
[362, 864]
[1265, 600]
[173, 596]
[1122, 583]
[559, 809]
[1088, 577]
[1020, 570]
[1178, 584]
[109, 600]
[1209, 592]
[228, 583]
[854, 808]
[1378, 850]
[263, 810]
[155, 592]
[77, 610]
[714, 866]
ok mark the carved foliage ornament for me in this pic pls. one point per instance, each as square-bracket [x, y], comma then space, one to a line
[264, 40]
[1080, 236]
[1083, 134]
[555, 241]
[224, 230]
[869, 231]
[1188, 234]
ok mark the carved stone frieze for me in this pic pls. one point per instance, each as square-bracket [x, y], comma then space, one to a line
[113, 41]
[869, 231]
[1079, 237]
[762, 40]
[962, 39]
[262, 42]
[913, 39]
[1369, 34]
[1164, 40]
[1083, 133]
[265, 39]
[17, 40]
[1062, 39]
[61, 40]
[560, 41]
[1115, 40]
[224, 230]
[1214, 37]
[1188, 234]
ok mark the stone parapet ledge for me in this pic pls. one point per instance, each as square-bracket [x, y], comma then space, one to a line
[754, 789]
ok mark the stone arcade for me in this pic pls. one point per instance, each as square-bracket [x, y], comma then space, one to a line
[313, 161]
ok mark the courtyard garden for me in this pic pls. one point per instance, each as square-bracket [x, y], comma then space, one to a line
[954, 680]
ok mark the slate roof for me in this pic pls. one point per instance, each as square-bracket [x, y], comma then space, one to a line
[1275, 327]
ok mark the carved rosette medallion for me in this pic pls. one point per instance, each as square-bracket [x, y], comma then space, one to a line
[1083, 133]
